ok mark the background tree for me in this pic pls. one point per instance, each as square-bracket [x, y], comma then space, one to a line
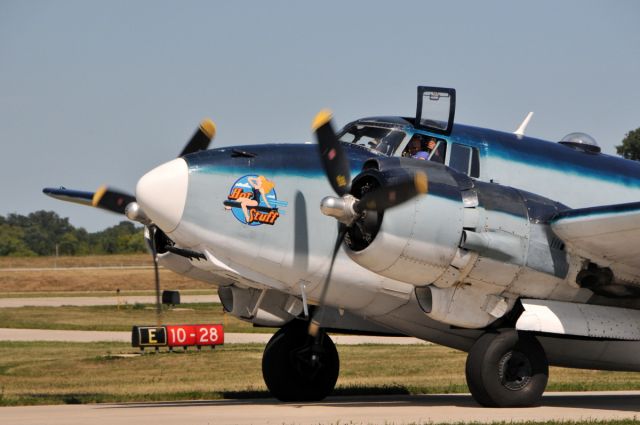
[630, 147]
[12, 243]
[40, 232]
[43, 230]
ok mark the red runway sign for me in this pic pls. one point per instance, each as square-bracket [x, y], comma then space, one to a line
[177, 335]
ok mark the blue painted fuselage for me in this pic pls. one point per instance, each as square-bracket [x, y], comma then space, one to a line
[575, 178]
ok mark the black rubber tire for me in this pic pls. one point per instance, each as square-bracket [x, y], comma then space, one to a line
[507, 369]
[287, 370]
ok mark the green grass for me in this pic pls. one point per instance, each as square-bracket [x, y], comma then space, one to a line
[59, 372]
[114, 318]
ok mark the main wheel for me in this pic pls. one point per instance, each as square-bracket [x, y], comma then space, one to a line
[507, 369]
[295, 369]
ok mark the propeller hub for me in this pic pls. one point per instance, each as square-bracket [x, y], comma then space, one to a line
[340, 208]
[135, 213]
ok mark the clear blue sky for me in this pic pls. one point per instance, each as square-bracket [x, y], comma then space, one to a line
[100, 92]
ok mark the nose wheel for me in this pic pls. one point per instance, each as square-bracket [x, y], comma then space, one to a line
[297, 367]
[507, 369]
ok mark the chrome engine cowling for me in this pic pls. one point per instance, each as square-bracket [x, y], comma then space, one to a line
[416, 241]
[470, 248]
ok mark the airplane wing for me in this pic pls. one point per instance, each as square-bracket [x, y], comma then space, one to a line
[69, 195]
[606, 235]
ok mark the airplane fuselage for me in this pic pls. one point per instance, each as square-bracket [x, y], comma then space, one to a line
[501, 245]
[283, 242]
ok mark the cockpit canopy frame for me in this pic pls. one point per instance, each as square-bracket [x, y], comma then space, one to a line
[435, 109]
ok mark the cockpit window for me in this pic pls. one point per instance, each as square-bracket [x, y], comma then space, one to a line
[384, 140]
[465, 159]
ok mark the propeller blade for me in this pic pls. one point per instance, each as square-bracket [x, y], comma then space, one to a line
[316, 322]
[334, 160]
[201, 138]
[385, 197]
[111, 199]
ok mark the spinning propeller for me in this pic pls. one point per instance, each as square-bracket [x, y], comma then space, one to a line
[119, 202]
[346, 208]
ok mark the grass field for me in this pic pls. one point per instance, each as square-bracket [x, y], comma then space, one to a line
[55, 373]
[58, 278]
[114, 318]
[79, 261]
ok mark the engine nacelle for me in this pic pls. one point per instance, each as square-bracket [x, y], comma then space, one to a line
[416, 241]
[470, 248]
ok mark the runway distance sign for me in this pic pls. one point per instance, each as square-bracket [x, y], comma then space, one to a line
[177, 336]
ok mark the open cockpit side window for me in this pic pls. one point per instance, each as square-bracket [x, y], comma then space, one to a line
[426, 148]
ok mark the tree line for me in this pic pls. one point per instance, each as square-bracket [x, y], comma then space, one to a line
[46, 233]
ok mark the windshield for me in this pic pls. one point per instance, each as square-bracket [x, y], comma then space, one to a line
[384, 140]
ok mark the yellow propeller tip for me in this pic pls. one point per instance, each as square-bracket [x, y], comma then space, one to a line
[208, 127]
[97, 196]
[421, 182]
[314, 327]
[321, 119]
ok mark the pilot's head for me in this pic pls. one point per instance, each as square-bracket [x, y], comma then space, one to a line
[431, 144]
[415, 145]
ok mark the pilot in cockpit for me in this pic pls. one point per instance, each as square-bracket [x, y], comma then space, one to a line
[435, 154]
[414, 147]
[429, 150]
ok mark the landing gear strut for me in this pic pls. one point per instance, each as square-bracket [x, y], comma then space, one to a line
[507, 369]
[297, 368]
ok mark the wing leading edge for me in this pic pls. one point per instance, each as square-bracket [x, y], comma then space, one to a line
[607, 235]
[69, 195]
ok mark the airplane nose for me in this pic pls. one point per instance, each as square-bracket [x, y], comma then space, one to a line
[162, 193]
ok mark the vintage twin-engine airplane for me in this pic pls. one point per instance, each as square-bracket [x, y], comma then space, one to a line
[522, 252]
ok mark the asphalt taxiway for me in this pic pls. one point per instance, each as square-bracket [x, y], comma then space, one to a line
[96, 301]
[418, 409]
[11, 334]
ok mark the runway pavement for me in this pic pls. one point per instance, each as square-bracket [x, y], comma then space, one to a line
[90, 301]
[9, 334]
[398, 410]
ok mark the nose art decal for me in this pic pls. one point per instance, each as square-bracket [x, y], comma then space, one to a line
[253, 201]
